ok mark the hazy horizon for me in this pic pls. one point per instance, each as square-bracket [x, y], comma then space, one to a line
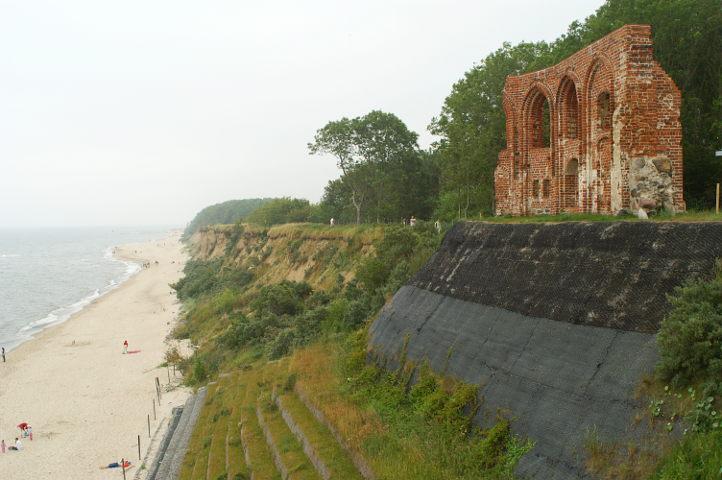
[143, 113]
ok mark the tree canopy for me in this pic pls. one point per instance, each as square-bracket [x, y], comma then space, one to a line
[384, 175]
[232, 211]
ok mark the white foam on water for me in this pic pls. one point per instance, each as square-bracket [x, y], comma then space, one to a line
[62, 314]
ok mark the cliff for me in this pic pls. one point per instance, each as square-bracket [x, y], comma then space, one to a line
[319, 255]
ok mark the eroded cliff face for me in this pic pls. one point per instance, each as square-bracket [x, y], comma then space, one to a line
[322, 257]
[555, 322]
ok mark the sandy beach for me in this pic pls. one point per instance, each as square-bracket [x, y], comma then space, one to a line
[86, 401]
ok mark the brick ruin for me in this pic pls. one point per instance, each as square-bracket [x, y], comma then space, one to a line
[598, 132]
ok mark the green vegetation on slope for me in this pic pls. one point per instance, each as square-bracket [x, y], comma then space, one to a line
[307, 344]
[690, 338]
[229, 212]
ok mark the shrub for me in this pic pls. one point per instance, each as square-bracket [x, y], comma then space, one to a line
[690, 338]
[493, 447]
[199, 371]
[281, 344]
[285, 298]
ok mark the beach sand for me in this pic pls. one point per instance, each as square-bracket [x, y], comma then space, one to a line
[86, 401]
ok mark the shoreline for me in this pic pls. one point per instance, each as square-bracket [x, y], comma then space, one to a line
[86, 401]
[37, 327]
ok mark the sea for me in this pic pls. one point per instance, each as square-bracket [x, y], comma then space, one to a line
[48, 274]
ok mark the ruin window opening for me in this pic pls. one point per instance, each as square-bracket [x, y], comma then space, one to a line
[604, 108]
[540, 121]
[545, 188]
[570, 110]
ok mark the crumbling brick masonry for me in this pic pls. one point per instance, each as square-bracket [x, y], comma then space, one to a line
[598, 132]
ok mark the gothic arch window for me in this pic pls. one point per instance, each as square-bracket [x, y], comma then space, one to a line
[604, 110]
[569, 109]
[538, 120]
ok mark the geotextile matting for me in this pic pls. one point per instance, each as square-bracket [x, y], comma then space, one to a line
[554, 322]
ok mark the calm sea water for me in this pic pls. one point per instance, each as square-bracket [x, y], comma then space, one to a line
[46, 275]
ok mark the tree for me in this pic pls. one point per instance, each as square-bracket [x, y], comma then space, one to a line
[365, 147]
[281, 210]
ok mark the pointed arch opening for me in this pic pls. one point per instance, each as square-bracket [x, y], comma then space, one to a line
[569, 109]
[538, 120]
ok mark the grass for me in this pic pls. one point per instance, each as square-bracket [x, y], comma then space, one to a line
[195, 462]
[695, 457]
[261, 461]
[366, 233]
[398, 443]
[219, 425]
[289, 448]
[329, 451]
[237, 467]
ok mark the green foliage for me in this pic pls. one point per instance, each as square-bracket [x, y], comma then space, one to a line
[199, 371]
[232, 211]
[434, 406]
[281, 210]
[399, 255]
[471, 122]
[285, 298]
[695, 457]
[690, 337]
[493, 447]
[704, 416]
[384, 175]
[206, 277]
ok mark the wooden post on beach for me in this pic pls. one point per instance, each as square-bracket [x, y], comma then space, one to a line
[157, 389]
[122, 466]
[138, 447]
[167, 369]
[149, 425]
[154, 417]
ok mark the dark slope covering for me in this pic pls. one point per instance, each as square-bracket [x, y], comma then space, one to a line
[602, 274]
[555, 322]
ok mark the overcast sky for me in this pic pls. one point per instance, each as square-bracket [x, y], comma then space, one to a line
[143, 112]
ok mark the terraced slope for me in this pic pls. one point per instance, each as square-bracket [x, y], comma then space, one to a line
[246, 431]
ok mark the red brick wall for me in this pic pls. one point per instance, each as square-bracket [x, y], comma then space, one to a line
[615, 134]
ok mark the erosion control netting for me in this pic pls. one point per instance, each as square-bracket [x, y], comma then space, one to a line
[555, 323]
[615, 275]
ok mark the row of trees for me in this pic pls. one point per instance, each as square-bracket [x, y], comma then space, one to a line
[386, 177]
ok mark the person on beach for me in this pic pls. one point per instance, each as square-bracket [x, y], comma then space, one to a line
[30, 432]
[2, 446]
[125, 346]
[18, 445]
[125, 464]
[3, 354]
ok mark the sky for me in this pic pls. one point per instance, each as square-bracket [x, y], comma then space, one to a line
[144, 112]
